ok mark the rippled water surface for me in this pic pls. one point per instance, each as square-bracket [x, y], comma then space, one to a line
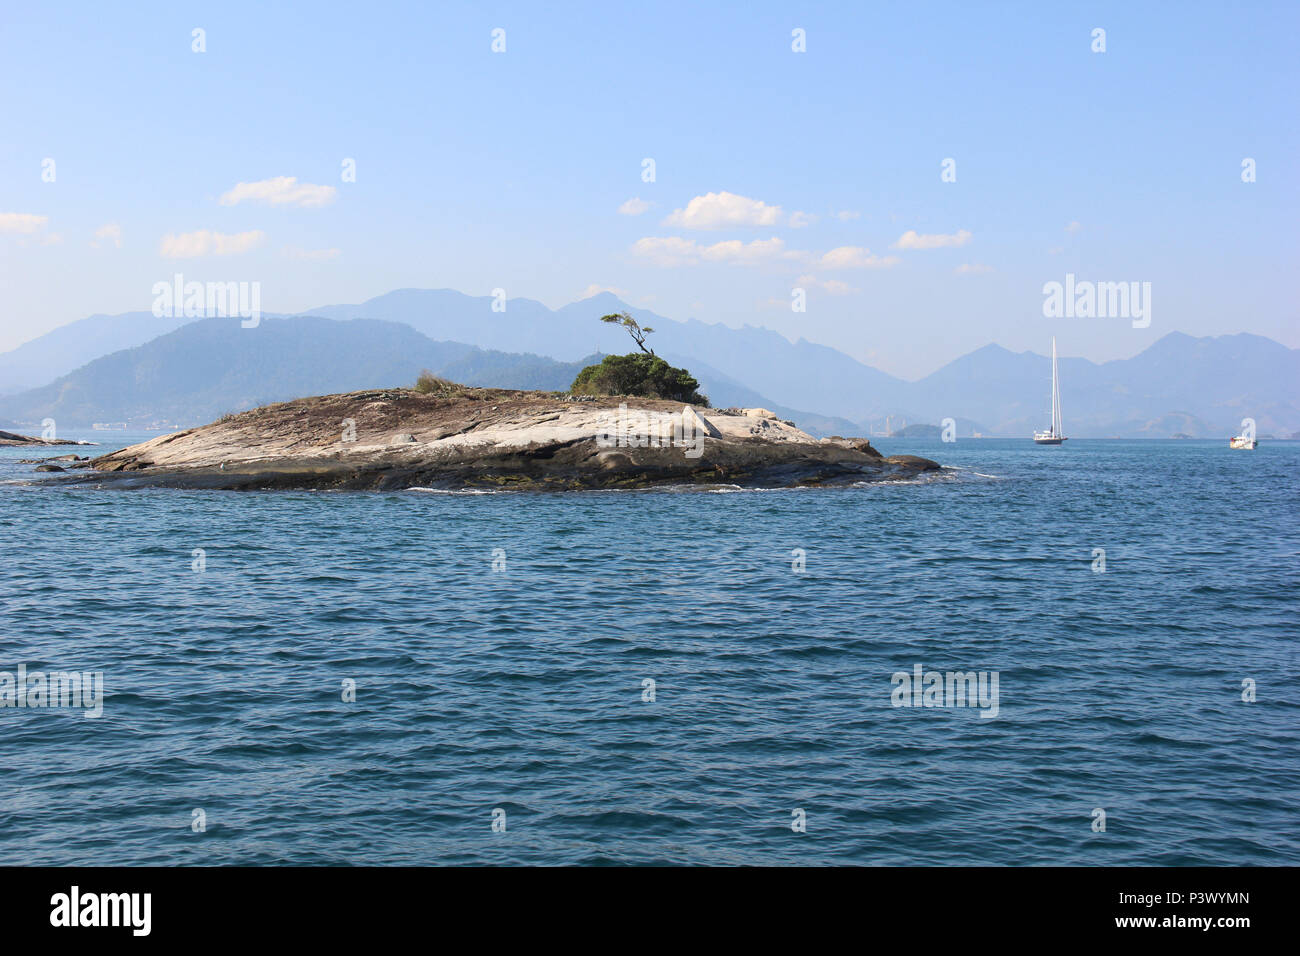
[521, 689]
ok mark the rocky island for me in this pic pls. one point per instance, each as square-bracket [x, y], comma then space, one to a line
[10, 439]
[456, 437]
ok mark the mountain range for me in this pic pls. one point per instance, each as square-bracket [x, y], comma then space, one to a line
[135, 368]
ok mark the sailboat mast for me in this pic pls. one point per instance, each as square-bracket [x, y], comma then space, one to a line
[1058, 425]
[1052, 427]
[1056, 394]
[1056, 433]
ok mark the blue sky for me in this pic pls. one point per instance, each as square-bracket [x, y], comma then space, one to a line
[477, 170]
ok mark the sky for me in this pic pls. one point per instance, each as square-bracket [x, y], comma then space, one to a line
[775, 169]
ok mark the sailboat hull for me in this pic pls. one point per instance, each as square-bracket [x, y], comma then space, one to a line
[1049, 441]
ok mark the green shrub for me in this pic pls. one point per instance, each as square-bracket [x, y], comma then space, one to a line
[643, 375]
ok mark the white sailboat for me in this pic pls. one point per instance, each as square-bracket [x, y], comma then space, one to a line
[1246, 440]
[1056, 434]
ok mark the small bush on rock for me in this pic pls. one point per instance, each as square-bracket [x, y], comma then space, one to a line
[430, 384]
[643, 375]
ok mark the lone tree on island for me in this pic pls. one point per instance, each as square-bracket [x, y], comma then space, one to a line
[645, 375]
[633, 329]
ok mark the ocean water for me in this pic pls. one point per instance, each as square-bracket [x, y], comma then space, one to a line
[499, 645]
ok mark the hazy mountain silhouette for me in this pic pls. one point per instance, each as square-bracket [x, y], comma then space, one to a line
[1202, 387]
[1181, 384]
[799, 375]
[1199, 386]
[212, 367]
[73, 345]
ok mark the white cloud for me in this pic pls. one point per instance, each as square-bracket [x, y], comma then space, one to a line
[109, 232]
[679, 251]
[634, 207]
[833, 286]
[294, 252]
[735, 250]
[914, 240]
[189, 245]
[21, 223]
[676, 251]
[1073, 227]
[30, 227]
[280, 191]
[800, 219]
[668, 251]
[856, 257]
[844, 215]
[718, 210]
[972, 268]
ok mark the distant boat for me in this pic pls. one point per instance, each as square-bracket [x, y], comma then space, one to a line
[1056, 434]
[1242, 441]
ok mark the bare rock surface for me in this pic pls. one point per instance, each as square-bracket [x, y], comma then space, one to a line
[490, 438]
[9, 439]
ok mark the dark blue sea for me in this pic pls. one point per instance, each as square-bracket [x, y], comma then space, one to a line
[500, 646]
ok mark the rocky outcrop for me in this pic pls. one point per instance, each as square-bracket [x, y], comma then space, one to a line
[9, 439]
[491, 438]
